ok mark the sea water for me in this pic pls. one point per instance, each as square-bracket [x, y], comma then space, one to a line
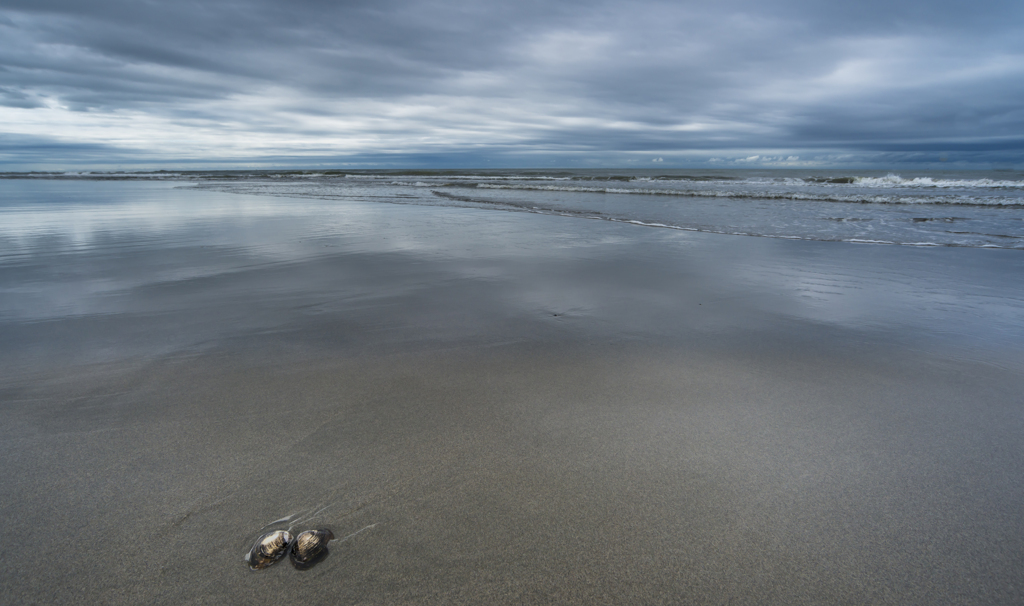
[967, 208]
[161, 261]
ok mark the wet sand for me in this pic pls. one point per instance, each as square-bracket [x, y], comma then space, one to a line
[507, 409]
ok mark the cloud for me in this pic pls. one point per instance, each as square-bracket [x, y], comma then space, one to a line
[311, 78]
[16, 98]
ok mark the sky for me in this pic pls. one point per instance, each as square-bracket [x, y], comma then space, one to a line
[110, 84]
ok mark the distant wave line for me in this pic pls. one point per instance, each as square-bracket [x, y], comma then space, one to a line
[767, 195]
[512, 207]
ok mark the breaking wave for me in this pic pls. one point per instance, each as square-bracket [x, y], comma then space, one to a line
[893, 180]
[772, 195]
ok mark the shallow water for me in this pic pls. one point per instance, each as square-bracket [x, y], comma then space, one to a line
[140, 266]
[968, 209]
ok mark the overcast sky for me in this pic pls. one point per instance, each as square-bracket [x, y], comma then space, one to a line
[104, 83]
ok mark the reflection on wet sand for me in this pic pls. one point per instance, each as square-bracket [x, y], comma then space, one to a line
[522, 408]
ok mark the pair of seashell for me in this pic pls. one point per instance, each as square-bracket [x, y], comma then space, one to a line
[305, 550]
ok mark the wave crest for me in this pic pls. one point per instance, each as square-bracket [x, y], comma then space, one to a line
[771, 195]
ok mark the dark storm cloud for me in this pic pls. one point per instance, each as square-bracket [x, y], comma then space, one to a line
[267, 77]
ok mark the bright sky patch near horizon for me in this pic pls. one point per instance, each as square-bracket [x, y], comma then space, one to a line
[457, 83]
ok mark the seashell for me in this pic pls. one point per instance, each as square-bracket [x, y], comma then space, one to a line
[269, 548]
[310, 547]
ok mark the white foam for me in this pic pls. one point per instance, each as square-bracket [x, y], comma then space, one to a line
[894, 180]
[443, 178]
[769, 195]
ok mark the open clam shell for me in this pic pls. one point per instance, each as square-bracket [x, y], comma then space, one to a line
[310, 547]
[269, 548]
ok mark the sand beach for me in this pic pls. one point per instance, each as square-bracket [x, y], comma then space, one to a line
[496, 408]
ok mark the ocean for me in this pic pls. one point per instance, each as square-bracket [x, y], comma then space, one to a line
[947, 208]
